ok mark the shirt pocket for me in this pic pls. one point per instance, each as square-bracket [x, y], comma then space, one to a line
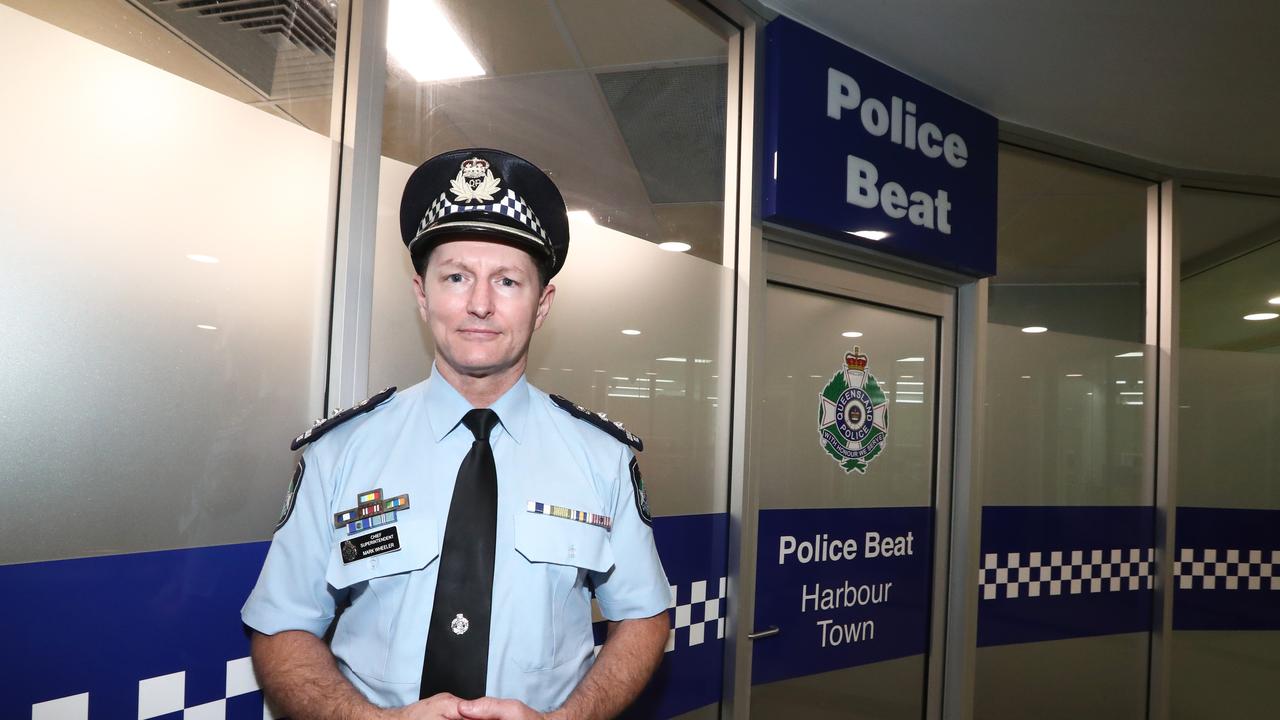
[417, 546]
[553, 612]
[367, 634]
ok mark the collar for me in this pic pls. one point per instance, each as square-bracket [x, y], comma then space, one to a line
[446, 406]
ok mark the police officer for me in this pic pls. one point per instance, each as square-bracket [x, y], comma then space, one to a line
[460, 528]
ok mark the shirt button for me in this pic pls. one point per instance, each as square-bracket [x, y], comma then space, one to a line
[373, 563]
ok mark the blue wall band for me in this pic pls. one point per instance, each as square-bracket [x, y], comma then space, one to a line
[140, 628]
[1227, 569]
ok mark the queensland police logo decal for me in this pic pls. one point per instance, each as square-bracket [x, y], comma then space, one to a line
[475, 182]
[853, 415]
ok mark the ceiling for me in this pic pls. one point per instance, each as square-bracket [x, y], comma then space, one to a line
[1184, 83]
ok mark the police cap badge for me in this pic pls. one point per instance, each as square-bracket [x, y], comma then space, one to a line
[478, 191]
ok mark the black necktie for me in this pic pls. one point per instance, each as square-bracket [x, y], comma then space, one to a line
[457, 655]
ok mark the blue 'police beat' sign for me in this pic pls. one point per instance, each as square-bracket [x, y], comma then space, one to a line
[847, 586]
[859, 152]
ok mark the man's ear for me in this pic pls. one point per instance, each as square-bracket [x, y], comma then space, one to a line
[420, 294]
[544, 305]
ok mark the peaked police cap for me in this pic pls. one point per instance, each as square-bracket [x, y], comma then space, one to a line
[491, 193]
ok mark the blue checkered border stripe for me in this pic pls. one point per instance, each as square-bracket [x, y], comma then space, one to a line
[697, 611]
[511, 205]
[1217, 569]
[1059, 572]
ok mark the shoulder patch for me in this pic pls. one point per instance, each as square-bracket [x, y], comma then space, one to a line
[324, 425]
[291, 496]
[637, 489]
[613, 427]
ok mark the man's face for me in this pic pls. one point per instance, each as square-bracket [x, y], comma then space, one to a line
[482, 301]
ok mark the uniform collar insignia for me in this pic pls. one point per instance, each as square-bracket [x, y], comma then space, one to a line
[337, 417]
[612, 427]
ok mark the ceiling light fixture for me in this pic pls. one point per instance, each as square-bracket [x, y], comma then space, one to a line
[851, 334]
[911, 359]
[672, 359]
[675, 246]
[1262, 316]
[1129, 354]
[424, 43]
[1274, 301]
[876, 235]
[581, 216]
[629, 331]
[207, 327]
[1074, 375]
[1034, 330]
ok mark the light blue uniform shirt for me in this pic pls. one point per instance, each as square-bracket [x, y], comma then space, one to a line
[540, 643]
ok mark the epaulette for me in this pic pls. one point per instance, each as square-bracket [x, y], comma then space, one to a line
[336, 418]
[600, 420]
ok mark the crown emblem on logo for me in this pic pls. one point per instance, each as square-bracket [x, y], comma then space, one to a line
[855, 360]
[475, 168]
[474, 182]
[853, 414]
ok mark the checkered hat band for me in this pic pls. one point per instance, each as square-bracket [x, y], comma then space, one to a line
[511, 205]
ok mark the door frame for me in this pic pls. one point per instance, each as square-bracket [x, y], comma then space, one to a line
[819, 267]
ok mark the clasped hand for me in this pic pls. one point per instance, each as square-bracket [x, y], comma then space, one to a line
[449, 707]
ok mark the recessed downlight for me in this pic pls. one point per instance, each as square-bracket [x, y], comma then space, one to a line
[202, 326]
[1262, 316]
[629, 331]
[876, 235]
[851, 334]
[1034, 329]
[675, 246]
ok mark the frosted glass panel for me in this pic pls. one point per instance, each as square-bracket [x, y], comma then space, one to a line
[162, 252]
[1226, 641]
[1068, 407]
[623, 104]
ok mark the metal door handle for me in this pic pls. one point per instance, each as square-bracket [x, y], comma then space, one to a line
[763, 633]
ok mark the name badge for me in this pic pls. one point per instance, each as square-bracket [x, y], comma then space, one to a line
[375, 543]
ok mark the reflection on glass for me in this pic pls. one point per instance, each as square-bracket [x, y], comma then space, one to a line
[1228, 418]
[163, 223]
[622, 103]
[1064, 426]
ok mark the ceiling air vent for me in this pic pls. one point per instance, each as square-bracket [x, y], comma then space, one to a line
[280, 47]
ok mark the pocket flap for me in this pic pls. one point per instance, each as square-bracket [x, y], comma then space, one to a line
[549, 539]
[398, 548]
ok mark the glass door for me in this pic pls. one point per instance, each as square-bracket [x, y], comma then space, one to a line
[847, 478]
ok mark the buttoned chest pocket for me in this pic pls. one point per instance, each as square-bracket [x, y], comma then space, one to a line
[553, 601]
[382, 568]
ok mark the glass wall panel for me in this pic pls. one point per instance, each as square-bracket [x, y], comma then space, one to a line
[623, 104]
[1226, 612]
[167, 241]
[163, 268]
[1064, 608]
